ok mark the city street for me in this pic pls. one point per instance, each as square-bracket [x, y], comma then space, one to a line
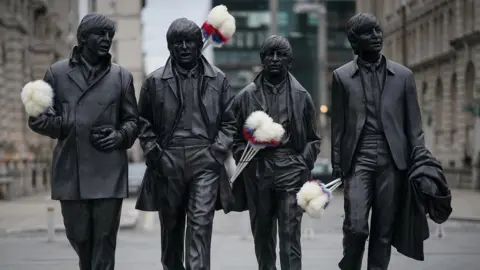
[233, 248]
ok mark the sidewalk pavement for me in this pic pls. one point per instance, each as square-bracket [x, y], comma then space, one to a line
[465, 205]
[29, 214]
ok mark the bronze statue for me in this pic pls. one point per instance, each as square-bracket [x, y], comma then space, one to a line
[268, 186]
[186, 131]
[376, 124]
[94, 118]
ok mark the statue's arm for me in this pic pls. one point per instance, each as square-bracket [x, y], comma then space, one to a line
[224, 139]
[337, 109]
[239, 142]
[413, 117]
[312, 147]
[128, 114]
[48, 123]
[147, 136]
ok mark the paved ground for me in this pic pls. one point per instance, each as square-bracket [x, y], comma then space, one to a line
[233, 248]
[141, 250]
[30, 214]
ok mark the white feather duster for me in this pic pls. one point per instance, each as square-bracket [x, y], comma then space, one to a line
[228, 27]
[217, 15]
[309, 191]
[316, 207]
[268, 132]
[257, 119]
[37, 97]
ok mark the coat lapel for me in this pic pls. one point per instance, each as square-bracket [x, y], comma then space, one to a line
[357, 80]
[99, 78]
[258, 95]
[296, 103]
[75, 74]
[170, 78]
[389, 78]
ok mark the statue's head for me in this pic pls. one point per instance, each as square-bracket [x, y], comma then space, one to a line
[95, 32]
[365, 34]
[185, 42]
[276, 56]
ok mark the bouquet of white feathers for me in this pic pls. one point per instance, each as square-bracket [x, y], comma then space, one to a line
[260, 131]
[219, 27]
[314, 196]
[37, 97]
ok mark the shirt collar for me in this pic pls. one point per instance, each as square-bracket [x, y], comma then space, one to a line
[192, 73]
[275, 89]
[370, 65]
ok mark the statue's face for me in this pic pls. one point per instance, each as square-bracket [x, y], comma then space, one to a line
[370, 37]
[185, 51]
[276, 62]
[99, 42]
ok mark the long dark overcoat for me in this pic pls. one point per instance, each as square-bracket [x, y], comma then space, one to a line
[160, 105]
[79, 170]
[303, 127]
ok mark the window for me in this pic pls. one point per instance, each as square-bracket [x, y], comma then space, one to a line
[249, 39]
[282, 19]
[240, 40]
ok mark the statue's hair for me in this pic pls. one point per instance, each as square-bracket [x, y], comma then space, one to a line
[355, 24]
[278, 43]
[93, 22]
[184, 28]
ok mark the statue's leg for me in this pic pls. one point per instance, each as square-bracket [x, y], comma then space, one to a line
[384, 204]
[290, 174]
[173, 211]
[358, 190]
[77, 217]
[105, 223]
[262, 212]
[289, 229]
[172, 229]
[203, 174]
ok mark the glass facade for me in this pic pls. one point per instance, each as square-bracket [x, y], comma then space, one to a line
[241, 54]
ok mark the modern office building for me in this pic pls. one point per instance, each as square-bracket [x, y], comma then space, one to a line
[240, 57]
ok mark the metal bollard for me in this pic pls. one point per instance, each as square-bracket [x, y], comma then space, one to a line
[440, 231]
[50, 223]
[308, 233]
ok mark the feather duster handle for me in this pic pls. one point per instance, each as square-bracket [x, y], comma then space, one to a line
[37, 97]
[219, 27]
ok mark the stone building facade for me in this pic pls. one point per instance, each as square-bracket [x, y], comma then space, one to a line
[33, 35]
[440, 41]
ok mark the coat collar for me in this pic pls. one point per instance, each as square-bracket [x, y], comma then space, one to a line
[75, 73]
[354, 67]
[74, 57]
[208, 69]
[294, 84]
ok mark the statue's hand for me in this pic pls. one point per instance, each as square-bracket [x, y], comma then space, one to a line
[336, 173]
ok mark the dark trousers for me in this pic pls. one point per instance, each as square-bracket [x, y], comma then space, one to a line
[91, 227]
[192, 186]
[271, 183]
[373, 183]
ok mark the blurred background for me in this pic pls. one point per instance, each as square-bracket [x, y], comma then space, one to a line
[436, 39]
